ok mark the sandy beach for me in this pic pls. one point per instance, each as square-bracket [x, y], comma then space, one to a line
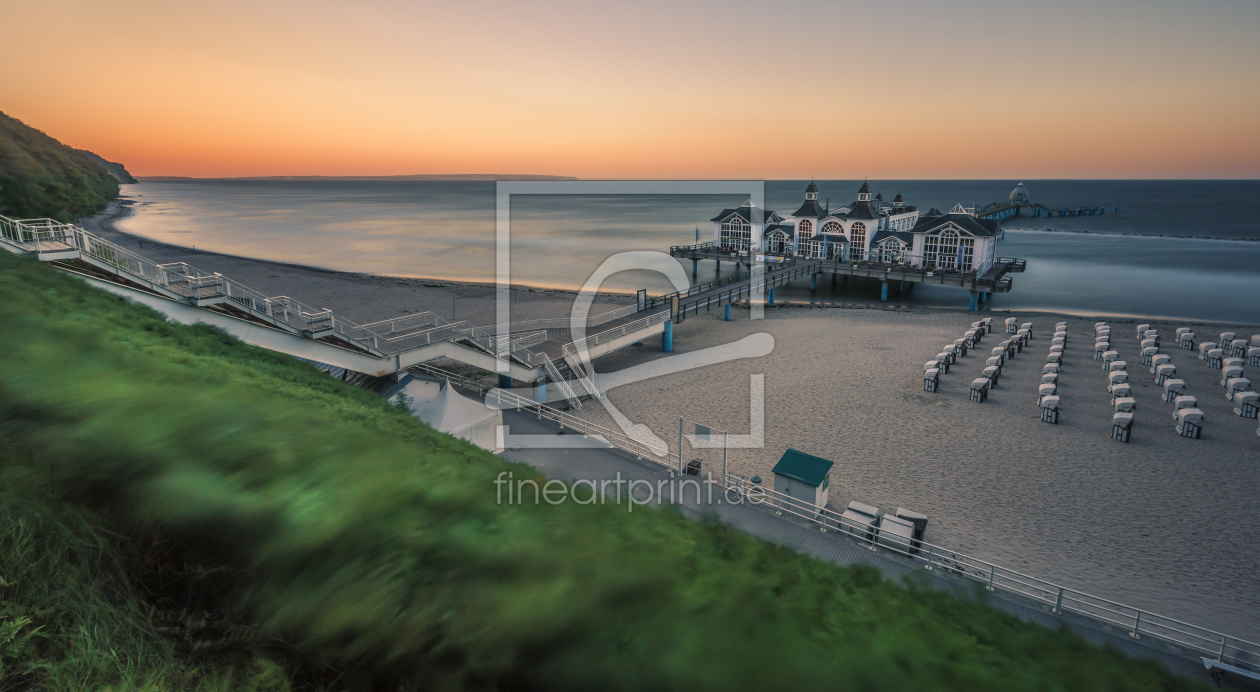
[1163, 523]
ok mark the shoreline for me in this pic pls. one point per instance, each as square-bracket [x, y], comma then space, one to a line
[255, 272]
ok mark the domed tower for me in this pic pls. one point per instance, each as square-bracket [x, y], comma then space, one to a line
[1019, 194]
[811, 192]
[898, 201]
[864, 192]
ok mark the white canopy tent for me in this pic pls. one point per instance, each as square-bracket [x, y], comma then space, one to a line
[452, 414]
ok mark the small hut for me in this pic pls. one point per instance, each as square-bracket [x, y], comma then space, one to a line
[803, 477]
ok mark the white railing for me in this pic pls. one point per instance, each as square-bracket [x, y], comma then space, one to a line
[574, 349]
[506, 399]
[561, 383]
[1138, 622]
[563, 323]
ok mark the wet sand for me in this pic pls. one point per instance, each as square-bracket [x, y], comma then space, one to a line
[1163, 523]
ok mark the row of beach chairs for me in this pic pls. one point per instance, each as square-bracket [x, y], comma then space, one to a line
[1227, 355]
[997, 359]
[933, 369]
[902, 532]
[1048, 391]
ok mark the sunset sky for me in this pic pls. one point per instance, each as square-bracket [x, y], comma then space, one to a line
[649, 89]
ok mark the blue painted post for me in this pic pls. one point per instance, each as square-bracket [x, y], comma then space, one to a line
[772, 297]
[974, 298]
[505, 382]
[981, 297]
[667, 339]
[695, 266]
[883, 291]
[1116, 210]
[540, 391]
[726, 314]
[813, 282]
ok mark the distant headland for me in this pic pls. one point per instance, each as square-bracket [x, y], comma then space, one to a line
[419, 176]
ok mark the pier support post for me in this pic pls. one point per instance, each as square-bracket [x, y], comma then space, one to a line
[982, 297]
[771, 298]
[974, 296]
[695, 266]
[717, 266]
[667, 339]
[726, 313]
[505, 382]
[540, 391]
[813, 282]
[883, 291]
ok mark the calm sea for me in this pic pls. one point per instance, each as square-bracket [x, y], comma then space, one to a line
[1121, 264]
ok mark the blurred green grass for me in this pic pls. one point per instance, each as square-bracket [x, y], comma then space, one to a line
[364, 540]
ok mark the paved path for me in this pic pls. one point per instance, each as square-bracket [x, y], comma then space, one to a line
[581, 462]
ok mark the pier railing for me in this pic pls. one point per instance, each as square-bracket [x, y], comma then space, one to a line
[1138, 622]
[503, 399]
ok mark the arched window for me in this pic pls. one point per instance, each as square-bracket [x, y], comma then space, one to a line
[832, 227]
[736, 233]
[947, 253]
[805, 229]
[857, 242]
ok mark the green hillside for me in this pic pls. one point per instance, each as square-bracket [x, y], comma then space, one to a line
[41, 177]
[183, 511]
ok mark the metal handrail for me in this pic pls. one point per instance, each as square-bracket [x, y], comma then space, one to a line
[1226, 648]
[506, 399]
[574, 348]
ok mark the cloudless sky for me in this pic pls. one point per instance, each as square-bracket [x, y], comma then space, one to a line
[649, 89]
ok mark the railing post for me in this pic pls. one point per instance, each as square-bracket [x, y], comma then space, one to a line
[1136, 625]
[930, 555]
[992, 570]
[1058, 602]
[1220, 655]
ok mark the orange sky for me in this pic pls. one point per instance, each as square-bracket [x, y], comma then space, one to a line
[834, 90]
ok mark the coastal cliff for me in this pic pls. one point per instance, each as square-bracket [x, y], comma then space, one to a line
[41, 177]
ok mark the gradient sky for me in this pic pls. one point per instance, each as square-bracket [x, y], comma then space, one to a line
[650, 89]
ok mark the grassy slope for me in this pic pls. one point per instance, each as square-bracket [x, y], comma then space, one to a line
[375, 543]
[41, 177]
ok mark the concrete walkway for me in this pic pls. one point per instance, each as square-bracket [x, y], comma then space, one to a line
[582, 459]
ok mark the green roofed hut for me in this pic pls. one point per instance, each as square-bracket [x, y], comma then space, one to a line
[803, 477]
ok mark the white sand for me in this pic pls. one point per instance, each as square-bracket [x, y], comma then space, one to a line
[1164, 523]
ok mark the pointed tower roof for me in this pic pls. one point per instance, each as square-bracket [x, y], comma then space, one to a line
[898, 197]
[865, 189]
[812, 187]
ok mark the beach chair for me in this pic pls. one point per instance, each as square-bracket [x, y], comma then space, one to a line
[942, 362]
[1184, 401]
[1255, 340]
[1190, 423]
[1164, 373]
[919, 521]
[1186, 341]
[1099, 325]
[1046, 390]
[1049, 409]
[1122, 426]
[1109, 357]
[960, 346]
[1247, 404]
[1050, 378]
[988, 323]
[931, 380]
[1119, 391]
[1236, 386]
[1055, 357]
[1100, 349]
[971, 338]
[1061, 334]
[1238, 348]
[1028, 327]
[1148, 355]
[1204, 348]
[1117, 365]
[1062, 326]
[1253, 356]
[860, 520]
[999, 352]
[1148, 343]
[1049, 368]
[1114, 379]
[1012, 347]
[1172, 388]
[1141, 329]
[1012, 325]
[980, 389]
[994, 362]
[1058, 341]
[1214, 358]
[895, 533]
[1230, 365]
[1180, 331]
[951, 353]
[1227, 338]
[1158, 360]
